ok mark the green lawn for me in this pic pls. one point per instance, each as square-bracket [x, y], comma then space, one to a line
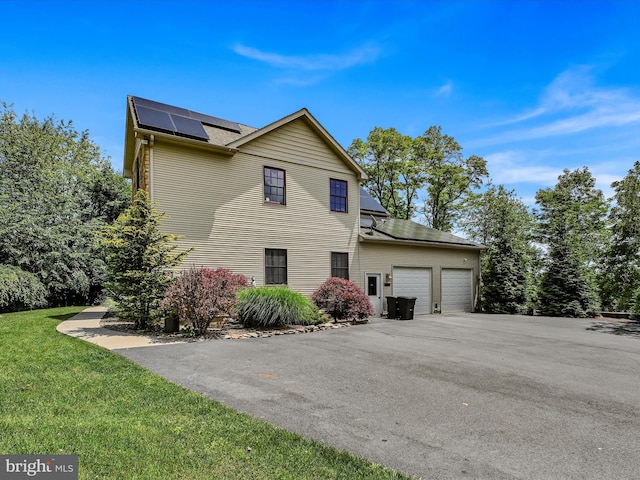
[63, 395]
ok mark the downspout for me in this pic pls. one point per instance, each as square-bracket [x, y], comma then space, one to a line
[149, 172]
[479, 283]
[139, 161]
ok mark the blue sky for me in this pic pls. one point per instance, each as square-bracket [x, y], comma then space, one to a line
[533, 87]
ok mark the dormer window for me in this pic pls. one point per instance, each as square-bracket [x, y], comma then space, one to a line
[338, 195]
[274, 185]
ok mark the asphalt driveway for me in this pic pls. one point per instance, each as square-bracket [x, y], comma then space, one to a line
[441, 396]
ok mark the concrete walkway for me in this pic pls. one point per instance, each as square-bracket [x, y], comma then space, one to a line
[86, 325]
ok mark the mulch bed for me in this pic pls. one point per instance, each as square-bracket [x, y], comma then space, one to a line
[229, 331]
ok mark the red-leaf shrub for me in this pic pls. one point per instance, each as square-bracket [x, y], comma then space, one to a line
[201, 294]
[342, 299]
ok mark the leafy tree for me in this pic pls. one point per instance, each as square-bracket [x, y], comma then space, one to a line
[394, 178]
[49, 210]
[571, 225]
[504, 224]
[450, 177]
[139, 257]
[621, 284]
[20, 290]
[400, 167]
[108, 193]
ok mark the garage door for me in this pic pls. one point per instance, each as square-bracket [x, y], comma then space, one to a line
[457, 291]
[414, 282]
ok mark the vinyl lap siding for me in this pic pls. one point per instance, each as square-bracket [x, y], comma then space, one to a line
[216, 204]
[383, 257]
[296, 142]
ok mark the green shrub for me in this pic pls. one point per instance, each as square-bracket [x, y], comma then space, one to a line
[20, 290]
[276, 307]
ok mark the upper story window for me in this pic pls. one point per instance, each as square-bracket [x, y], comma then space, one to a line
[338, 192]
[274, 185]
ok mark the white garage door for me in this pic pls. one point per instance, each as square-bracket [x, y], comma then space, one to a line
[414, 282]
[457, 291]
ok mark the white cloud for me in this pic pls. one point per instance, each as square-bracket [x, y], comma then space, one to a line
[326, 62]
[511, 167]
[572, 103]
[515, 167]
[445, 90]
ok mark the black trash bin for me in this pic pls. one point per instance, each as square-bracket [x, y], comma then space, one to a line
[171, 324]
[392, 307]
[405, 307]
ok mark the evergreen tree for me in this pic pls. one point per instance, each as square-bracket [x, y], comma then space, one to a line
[571, 225]
[566, 290]
[621, 284]
[139, 257]
[501, 222]
[504, 288]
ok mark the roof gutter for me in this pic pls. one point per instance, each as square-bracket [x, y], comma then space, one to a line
[199, 144]
[394, 241]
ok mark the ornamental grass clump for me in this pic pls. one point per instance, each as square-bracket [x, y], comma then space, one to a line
[276, 307]
[342, 300]
[200, 295]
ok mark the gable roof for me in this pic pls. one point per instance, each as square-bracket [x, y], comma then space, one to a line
[206, 131]
[311, 121]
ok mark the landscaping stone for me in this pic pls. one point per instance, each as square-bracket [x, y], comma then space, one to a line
[230, 331]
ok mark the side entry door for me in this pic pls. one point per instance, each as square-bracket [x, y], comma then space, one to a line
[373, 282]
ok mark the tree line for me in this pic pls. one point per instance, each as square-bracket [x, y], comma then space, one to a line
[574, 254]
[57, 191]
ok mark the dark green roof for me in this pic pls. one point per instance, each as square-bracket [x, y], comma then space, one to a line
[370, 204]
[412, 231]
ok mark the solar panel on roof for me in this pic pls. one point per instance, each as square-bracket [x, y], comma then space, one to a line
[161, 106]
[164, 117]
[149, 117]
[367, 202]
[189, 127]
[216, 122]
[408, 230]
[145, 103]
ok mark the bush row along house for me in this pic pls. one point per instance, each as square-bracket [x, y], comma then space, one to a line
[283, 205]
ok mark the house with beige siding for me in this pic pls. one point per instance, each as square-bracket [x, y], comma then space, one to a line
[282, 205]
